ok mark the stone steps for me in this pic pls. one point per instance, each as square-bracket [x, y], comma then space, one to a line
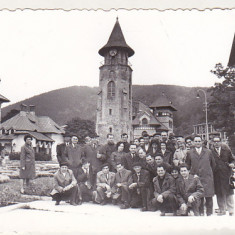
[43, 169]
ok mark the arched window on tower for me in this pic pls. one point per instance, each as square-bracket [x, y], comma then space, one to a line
[111, 90]
[144, 121]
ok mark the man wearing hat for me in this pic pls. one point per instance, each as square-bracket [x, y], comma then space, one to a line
[139, 186]
[85, 180]
[104, 183]
[65, 186]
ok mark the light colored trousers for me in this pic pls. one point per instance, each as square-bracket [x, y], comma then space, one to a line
[225, 202]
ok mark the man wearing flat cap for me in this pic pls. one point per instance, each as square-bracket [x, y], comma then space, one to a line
[65, 186]
[104, 183]
[139, 185]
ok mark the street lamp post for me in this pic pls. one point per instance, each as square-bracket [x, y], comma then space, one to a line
[206, 106]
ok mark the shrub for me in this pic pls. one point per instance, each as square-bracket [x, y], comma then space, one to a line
[38, 156]
[8, 196]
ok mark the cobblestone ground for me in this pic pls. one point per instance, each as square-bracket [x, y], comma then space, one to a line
[43, 217]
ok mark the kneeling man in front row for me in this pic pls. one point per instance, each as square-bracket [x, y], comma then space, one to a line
[164, 192]
[104, 183]
[189, 191]
[65, 186]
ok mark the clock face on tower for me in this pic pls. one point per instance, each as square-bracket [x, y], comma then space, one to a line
[113, 52]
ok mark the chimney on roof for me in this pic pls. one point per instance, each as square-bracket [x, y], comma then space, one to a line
[32, 109]
[23, 109]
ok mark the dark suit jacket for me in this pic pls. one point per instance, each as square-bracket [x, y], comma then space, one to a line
[73, 155]
[128, 161]
[167, 156]
[168, 186]
[123, 177]
[60, 152]
[192, 187]
[82, 177]
[222, 171]
[143, 182]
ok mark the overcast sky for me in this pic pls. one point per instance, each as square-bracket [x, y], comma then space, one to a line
[46, 50]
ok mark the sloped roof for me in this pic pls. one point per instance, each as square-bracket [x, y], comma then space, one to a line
[3, 99]
[47, 125]
[29, 122]
[232, 54]
[7, 137]
[40, 136]
[116, 40]
[161, 102]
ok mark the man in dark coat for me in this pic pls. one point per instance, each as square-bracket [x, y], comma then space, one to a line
[139, 186]
[167, 154]
[60, 149]
[124, 140]
[189, 190]
[73, 155]
[130, 157]
[224, 164]
[85, 180]
[121, 189]
[201, 163]
[164, 192]
[91, 154]
[107, 149]
[146, 146]
[170, 144]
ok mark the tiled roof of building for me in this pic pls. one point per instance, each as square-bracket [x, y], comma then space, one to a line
[232, 54]
[29, 122]
[161, 102]
[3, 99]
[116, 40]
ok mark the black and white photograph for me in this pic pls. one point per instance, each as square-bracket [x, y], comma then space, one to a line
[117, 121]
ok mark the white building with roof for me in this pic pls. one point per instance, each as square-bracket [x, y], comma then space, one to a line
[45, 132]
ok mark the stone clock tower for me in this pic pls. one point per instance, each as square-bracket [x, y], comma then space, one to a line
[114, 101]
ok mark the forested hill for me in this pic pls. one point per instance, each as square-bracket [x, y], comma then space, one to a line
[64, 104]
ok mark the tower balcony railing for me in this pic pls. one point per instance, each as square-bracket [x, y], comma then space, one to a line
[103, 63]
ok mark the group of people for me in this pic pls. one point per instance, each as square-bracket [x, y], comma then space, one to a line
[152, 173]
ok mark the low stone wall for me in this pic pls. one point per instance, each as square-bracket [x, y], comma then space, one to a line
[43, 169]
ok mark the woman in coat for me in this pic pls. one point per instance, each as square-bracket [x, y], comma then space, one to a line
[27, 162]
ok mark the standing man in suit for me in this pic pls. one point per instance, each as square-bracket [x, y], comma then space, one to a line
[170, 145]
[146, 143]
[164, 192]
[107, 149]
[122, 177]
[91, 154]
[60, 149]
[85, 180]
[104, 183]
[124, 140]
[224, 163]
[73, 155]
[166, 153]
[201, 163]
[130, 157]
[139, 186]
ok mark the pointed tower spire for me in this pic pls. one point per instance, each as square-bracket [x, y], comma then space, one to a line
[116, 40]
[232, 54]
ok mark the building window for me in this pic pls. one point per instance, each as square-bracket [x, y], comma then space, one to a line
[144, 121]
[111, 90]
[110, 111]
[110, 129]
